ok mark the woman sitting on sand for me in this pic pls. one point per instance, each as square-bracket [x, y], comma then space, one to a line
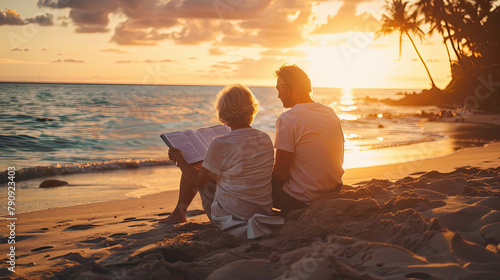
[234, 180]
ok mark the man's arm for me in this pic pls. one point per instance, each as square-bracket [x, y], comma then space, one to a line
[281, 169]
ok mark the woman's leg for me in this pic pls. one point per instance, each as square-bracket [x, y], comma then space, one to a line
[187, 191]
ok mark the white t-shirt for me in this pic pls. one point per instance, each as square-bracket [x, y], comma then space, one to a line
[243, 161]
[313, 133]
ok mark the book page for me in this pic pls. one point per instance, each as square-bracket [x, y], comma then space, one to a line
[209, 133]
[193, 149]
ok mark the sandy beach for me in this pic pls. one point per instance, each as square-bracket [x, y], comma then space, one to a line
[430, 219]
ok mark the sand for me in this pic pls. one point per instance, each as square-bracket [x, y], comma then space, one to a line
[430, 219]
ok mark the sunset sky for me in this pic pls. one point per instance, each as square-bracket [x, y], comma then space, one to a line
[209, 42]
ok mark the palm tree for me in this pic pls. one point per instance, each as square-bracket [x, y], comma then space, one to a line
[398, 18]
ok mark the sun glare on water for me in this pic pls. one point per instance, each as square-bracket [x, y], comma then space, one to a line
[346, 106]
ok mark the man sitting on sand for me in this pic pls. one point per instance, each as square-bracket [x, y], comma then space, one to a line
[234, 180]
[309, 143]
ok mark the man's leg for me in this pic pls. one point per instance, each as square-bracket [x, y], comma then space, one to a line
[283, 201]
[187, 191]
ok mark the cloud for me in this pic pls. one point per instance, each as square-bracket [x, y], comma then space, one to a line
[280, 27]
[267, 23]
[196, 32]
[215, 51]
[19, 50]
[346, 20]
[11, 17]
[42, 20]
[89, 16]
[432, 60]
[68, 61]
[113, 50]
[264, 23]
[89, 21]
[125, 35]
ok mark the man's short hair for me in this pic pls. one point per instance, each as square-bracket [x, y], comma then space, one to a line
[294, 77]
[236, 105]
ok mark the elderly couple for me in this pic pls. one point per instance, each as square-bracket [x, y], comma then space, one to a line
[240, 182]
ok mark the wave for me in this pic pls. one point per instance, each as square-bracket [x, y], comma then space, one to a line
[86, 167]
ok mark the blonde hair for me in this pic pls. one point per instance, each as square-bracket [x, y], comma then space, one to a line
[236, 105]
[294, 77]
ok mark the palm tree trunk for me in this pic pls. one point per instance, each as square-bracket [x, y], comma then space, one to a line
[421, 59]
[448, 29]
[459, 57]
[448, 52]
[400, 43]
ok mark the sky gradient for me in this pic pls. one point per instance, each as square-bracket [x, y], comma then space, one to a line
[212, 42]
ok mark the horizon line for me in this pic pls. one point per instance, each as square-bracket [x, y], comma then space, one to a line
[199, 85]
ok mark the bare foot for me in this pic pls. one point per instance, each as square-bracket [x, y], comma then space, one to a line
[173, 219]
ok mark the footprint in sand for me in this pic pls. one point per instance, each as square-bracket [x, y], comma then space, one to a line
[4, 240]
[94, 240]
[164, 214]
[81, 227]
[138, 225]
[41, 248]
[134, 219]
[118, 234]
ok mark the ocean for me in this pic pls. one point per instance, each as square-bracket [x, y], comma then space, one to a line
[53, 130]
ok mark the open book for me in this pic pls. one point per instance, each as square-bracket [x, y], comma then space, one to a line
[194, 144]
